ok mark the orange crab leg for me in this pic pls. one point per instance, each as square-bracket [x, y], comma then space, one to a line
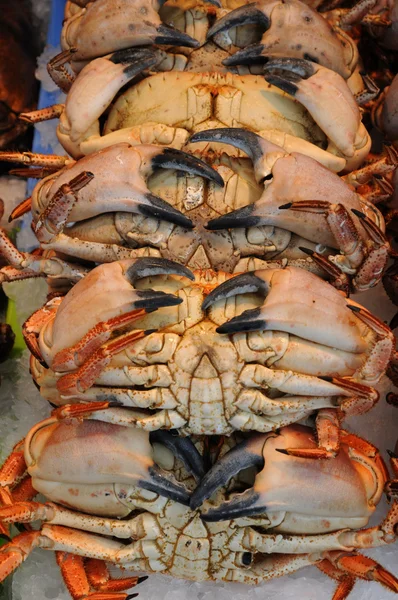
[20, 210]
[363, 567]
[14, 553]
[346, 582]
[77, 355]
[43, 114]
[99, 577]
[75, 573]
[14, 467]
[84, 378]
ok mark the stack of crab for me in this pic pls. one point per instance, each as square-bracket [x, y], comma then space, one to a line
[200, 248]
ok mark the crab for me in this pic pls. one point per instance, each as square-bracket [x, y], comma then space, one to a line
[265, 368]
[190, 103]
[86, 212]
[302, 525]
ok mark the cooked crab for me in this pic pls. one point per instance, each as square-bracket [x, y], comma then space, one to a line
[204, 92]
[314, 509]
[200, 374]
[99, 209]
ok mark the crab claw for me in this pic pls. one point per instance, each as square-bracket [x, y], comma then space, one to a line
[183, 448]
[246, 454]
[150, 266]
[290, 29]
[328, 99]
[170, 158]
[244, 15]
[163, 483]
[109, 310]
[262, 152]
[304, 314]
[131, 23]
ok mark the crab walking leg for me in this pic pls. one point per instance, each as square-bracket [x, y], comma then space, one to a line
[56, 213]
[387, 164]
[53, 537]
[60, 76]
[24, 264]
[139, 527]
[86, 375]
[22, 208]
[95, 251]
[382, 350]
[347, 567]
[51, 161]
[369, 262]
[43, 114]
[77, 355]
[80, 577]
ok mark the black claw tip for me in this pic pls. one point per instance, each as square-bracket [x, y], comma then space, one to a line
[152, 300]
[241, 284]
[170, 158]
[243, 217]
[326, 378]
[169, 36]
[246, 322]
[358, 213]
[281, 83]
[153, 265]
[130, 596]
[282, 451]
[160, 209]
[356, 309]
[307, 251]
[285, 206]
[392, 454]
[149, 331]
[252, 55]
[142, 579]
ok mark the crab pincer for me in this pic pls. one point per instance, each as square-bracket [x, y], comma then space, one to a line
[291, 28]
[88, 343]
[130, 23]
[330, 102]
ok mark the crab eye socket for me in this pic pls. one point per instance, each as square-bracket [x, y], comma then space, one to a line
[244, 559]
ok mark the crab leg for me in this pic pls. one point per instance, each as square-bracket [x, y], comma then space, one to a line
[60, 76]
[368, 263]
[24, 265]
[382, 350]
[57, 211]
[81, 577]
[20, 210]
[43, 114]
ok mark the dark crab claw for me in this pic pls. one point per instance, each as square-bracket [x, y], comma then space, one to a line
[152, 265]
[262, 152]
[251, 55]
[169, 158]
[158, 208]
[163, 483]
[136, 60]
[241, 284]
[168, 36]
[244, 15]
[249, 320]
[183, 448]
[285, 73]
[246, 454]
[151, 300]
